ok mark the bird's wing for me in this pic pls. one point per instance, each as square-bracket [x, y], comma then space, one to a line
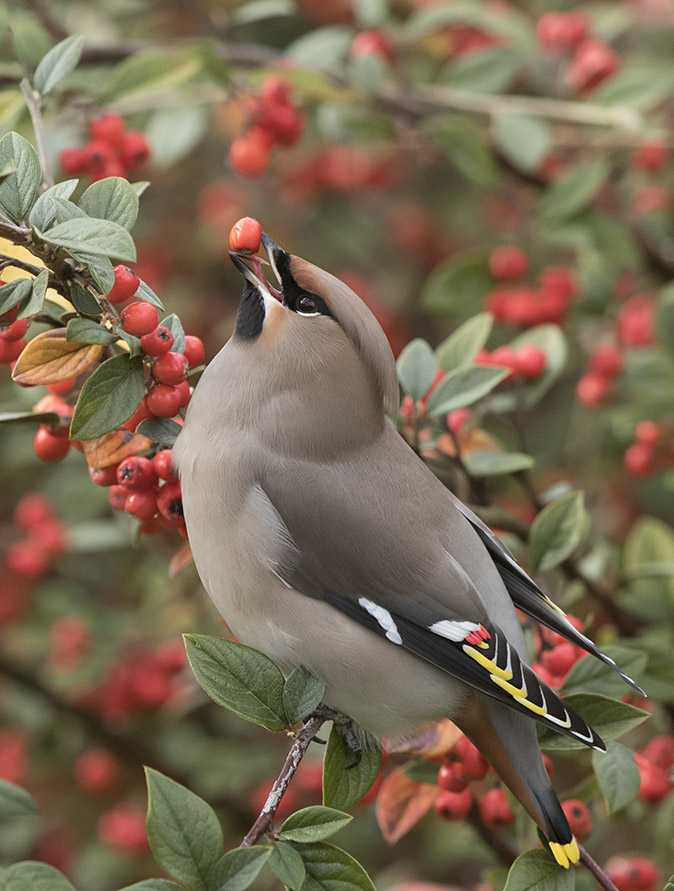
[527, 596]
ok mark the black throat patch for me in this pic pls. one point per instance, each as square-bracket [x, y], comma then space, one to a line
[250, 319]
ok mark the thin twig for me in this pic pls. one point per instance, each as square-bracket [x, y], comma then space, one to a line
[596, 870]
[53, 27]
[297, 751]
[34, 103]
[19, 264]
[17, 234]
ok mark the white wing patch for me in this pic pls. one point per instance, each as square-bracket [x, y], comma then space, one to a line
[455, 631]
[384, 617]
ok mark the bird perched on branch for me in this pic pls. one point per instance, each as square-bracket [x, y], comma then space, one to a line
[326, 542]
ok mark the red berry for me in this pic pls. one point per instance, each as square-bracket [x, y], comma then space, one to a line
[592, 389]
[27, 560]
[49, 446]
[635, 323]
[373, 43]
[133, 150]
[96, 770]
[450, 777]
[50, 536]
[453, 805]
[644, 874]
[104, 476]
[283, 123]
[245, 235]
[117, 496]
[107, 128]
[31, 510]
[607, 360]
[10, 350]
[73, 161]
[185, 393]
[123, 828]
[654, 784]
[651, 156]
[562, 30]
[249, 154]
[62, 387]
[142, 413]
[495, 810]
[593, 62]
[157, 342]
[276, 90]
[170, 369]
[508, 263]
[457, 419]
[560, 281]
[505, 355]
[162, 464]
[660, 750]
[531, 361]
[578, 815]
[164, 401]
[15, 331]
[193, 350]
[647, 433]
[142, 504]
[560, 658]
[136, 473]
[139, 318]
[169, 501]
[639, 460]
[95, 155]
[473, 762]
[125, 286]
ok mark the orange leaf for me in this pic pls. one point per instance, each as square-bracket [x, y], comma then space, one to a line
[181, 559]
[49, 358]
[401, 803]
[114, 447]
[434, 741]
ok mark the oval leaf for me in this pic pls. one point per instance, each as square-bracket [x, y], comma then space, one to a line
[459, 284]
[609, 717]
[58, 63]
[538, 871]
[333, 869]
[401, 803]
[109, 397]
[183, 831]
[287, 865]
[237, 869]
[34, 876]
[114, 447]
[43, 212]
[557, 531]
[113, 199]
[462, 387]
[574, 190]
[593, 676]
[461, 347]
[524, 139]
[467, 149]
[88, 331]
[343, 785]
[238, 678]
[301, 694]
[485, 463]
[314, 824]
[49, 358]
[15, 292]
[617, 774]
[162, 430]
[100, 238]
[15, 801]
[416, 368]
[18, 191]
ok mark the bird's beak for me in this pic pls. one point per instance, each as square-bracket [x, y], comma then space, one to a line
[254, 272]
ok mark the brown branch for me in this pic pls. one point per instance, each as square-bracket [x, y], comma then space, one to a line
[297, 751]
[53, 27]
[19, 264]
[17, 234]
[596, 870]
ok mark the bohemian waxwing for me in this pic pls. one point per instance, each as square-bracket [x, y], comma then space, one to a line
[326, 542]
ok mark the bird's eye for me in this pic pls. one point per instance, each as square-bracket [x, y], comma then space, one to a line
[306, 305]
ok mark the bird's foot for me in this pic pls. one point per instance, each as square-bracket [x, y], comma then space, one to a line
[345, 727]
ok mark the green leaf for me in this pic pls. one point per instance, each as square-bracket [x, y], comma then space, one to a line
[173, 133]
[462, 387]
[574, 190]
[609, 717]
[109, 397]
[591, 675]
[343, 785]
[15, 292]
[84, 301]
[65, 210]
[617, 774]
[459, 284]
[35, 876]
[162, 430]
[321, 47]
[650, 541]
[461, 347]
[416, 368]
[100, 238]
[145, 292]
[58, 63]
[88, 331]
[524, 139]
[238, 678]
[302, 692]
[238, 869]
[153, 885]
[151, 69]
[287, 865]
[638, 86]
[34, 303]
[15, 801]
[331, 869]
[314, 824]
[557, 531]
[538, 871]
[43, 212]
[485, 463]
[29, 417]
[19, 190]
[467, 148]
[175, 326]
[491, 70]
[100, 269]
[183, 831]
[111, 199]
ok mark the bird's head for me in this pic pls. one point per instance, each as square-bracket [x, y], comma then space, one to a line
[312, 323]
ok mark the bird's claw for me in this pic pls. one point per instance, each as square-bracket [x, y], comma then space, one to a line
[346, 729]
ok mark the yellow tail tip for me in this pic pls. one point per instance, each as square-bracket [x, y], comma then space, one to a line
[566, 854]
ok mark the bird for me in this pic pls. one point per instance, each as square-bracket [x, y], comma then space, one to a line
[326, 542]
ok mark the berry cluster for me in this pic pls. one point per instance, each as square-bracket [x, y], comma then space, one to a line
[566, 35]
[373, 43]
[273, 120]
[515, 304]
[12, 331]
[70, 643]
[596, 385]
[557, 656]
[112, 150]
[146, 489]
[651, 451]
[526, 362]
[655, 764]
[45, 537]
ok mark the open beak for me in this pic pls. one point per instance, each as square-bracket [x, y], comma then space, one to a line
[251, 269]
